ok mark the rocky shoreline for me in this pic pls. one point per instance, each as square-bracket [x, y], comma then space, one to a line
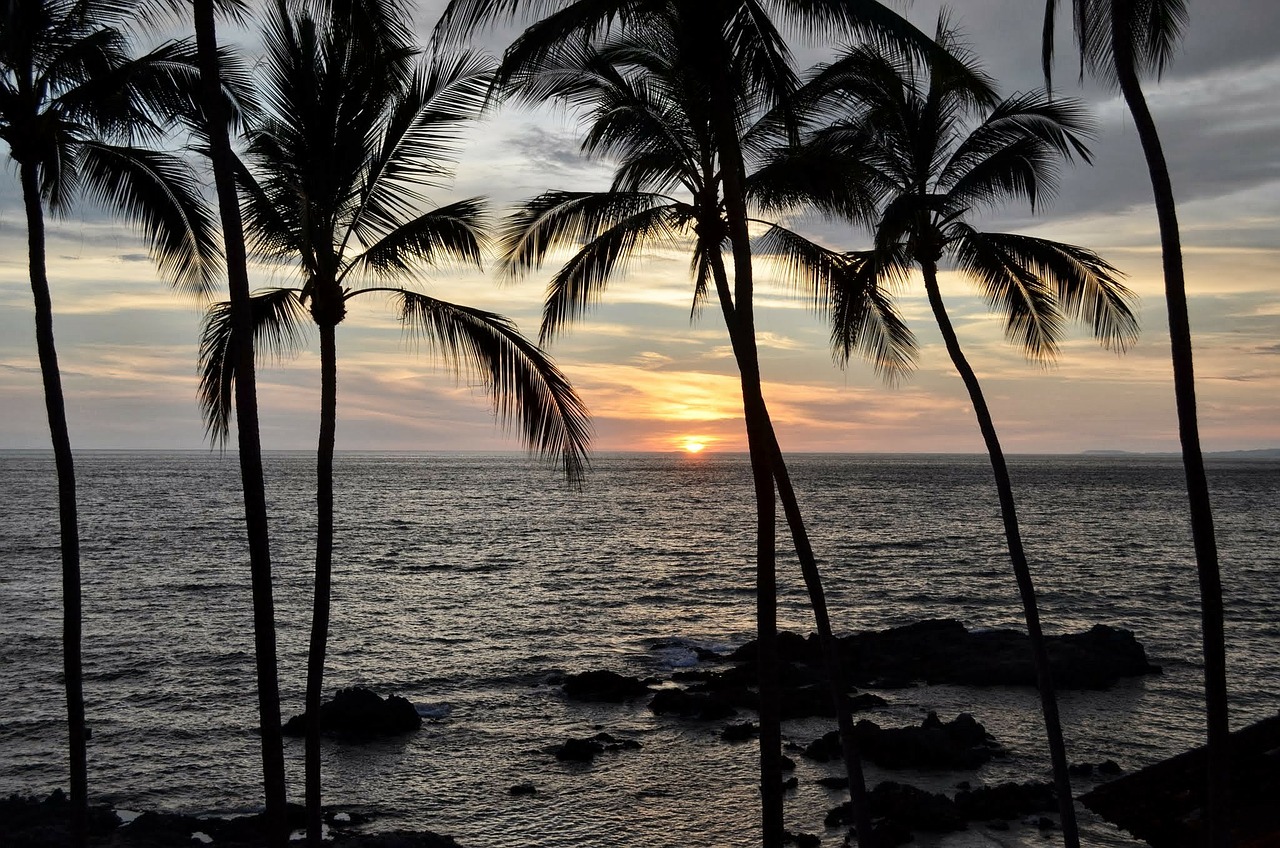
[717, 690]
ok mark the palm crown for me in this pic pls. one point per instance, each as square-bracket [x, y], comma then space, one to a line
[74, 105]
[910, 136]
[644, 103]
[356, 127]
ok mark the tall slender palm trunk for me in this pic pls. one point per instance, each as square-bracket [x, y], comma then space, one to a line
[1217, 820]
[760, 446]
[830, 648]
[324, 575]
[248, 436]
[68, 526]
[759, 442]
[1018, 557]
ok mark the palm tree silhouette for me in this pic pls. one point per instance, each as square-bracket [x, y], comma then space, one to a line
[903, 134]
[216, 122]
[74, 106]
[1120, 41]
[737, 36]
[648, 108]
[355, 126]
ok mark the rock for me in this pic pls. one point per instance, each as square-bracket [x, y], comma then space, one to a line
[834, 782]
[944, 651]
[358, 713]
[1006, 801]
[1110, 768]
[700, 705]
[915, 808]
[900, 808]
[801, 840]
[1164, 803]
[790, 784]
[962, 743]
[522, 789]
[27, 822]
[604, 686]
[586, 750]
[579, 750]
[740, 732]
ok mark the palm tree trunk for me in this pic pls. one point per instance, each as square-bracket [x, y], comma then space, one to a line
[760, 444]
[68, 528]
[1217, 826]
[248, 436]
[1013, 535]
[830, 648]
[324, 575]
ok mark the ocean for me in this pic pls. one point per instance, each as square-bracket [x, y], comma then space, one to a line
[468, 582]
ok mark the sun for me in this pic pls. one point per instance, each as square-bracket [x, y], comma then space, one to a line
[694, 445]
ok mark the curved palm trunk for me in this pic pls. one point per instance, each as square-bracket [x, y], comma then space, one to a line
[324, 574]
[830, 648]
[68, 528]
[248, 436]
[1013, 535]
[1184, 387]
[760, 445]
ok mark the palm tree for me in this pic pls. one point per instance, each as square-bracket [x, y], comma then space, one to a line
[904, 134]
[248, 436]
[1120, 41]
[355, 126]
[74, 103]
[737, 34]
[648, 108]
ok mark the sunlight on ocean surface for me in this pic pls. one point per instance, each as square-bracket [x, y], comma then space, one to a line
[465, 582]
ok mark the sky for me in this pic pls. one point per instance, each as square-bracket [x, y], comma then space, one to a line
[656, 380]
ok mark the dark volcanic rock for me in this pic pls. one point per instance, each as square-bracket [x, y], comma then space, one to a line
[522, 789]
[944, 651]
[1164, 803]
[740, 732]
[27, 822]
[607, 686]
[586, 750]
[1006, 801]
[359, 713]
[707, 706]
[900, 808]
[962, 743]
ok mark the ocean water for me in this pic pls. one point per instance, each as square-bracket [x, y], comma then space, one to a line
[465, 583]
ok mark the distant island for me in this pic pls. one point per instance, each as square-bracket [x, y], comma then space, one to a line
[1255, 453]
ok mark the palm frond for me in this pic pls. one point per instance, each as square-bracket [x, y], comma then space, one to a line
[279, 322]
[1016, 151]
[876, 25]
[419, 140]
[527, 387]
[864, 317]
[557, 219]
[582, 279]
[456, 232]
[160, 193]
[1033, 316]
[1086, 287]
[832, 171]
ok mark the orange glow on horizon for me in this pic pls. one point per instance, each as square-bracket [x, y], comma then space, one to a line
[694, 444]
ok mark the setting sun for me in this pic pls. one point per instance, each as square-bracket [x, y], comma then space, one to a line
[694, 445]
